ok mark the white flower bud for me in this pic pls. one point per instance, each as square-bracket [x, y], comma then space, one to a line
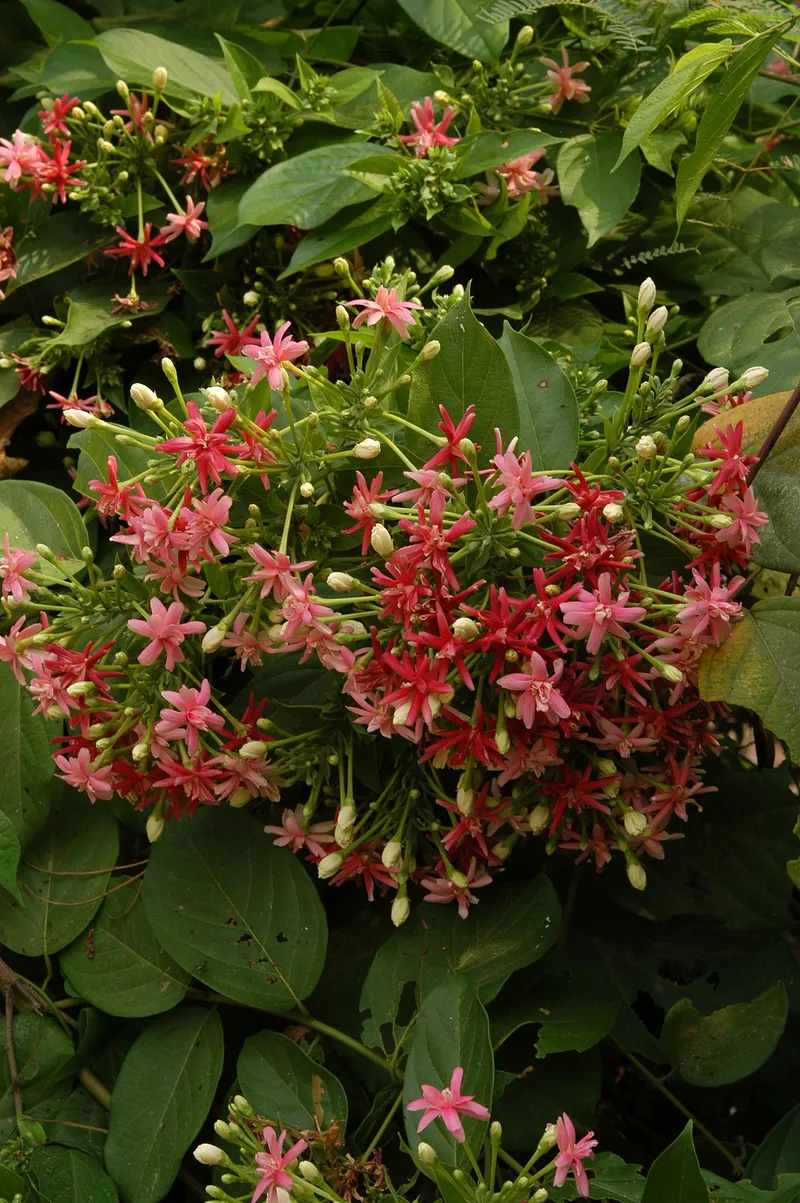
[213, 639]
[441, 97]
[613, 512]
[720, 521]
[400, 714]
[637, 876]
[426, 1153]
[240, 797]
[307, 490]
[430, 350]
[640, 354]
[343, 831]
[330, 864]
[80, 689]
[254, 749]
[647, 295]
[367, 449]
[656, 322]
[219, 397]
[392, 854]
[646, 447]
[539, 818]
[309, 1171]
[465, 628]
[381, 540]
[504, 848]
[636, 823]
[199, 363]
[568, 511]
[716, 380]
[502, 740]
[208, 1154]
[79, 418]
[401, 909]
[155, 829]
[525, 35]
[341, 582]
[539, 1196]
[145, 398]
[222, 1129]
[160, 77]
[670, 673]
[753, 377]
[465, 796]
[251, 299]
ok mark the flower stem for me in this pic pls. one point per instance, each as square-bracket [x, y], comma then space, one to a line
[326, 1030]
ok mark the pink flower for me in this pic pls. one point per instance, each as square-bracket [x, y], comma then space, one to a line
[596, 615]
[124, 500]
[520, 486]
[249, 644]
[292, 833]
[187, 223]
[747, 519]
[272, 1165]
[90, 405]
[567, 88]
[166, 632]
[364, 496]
[208, 448]
[536, 691]
[77, 771]
[711, 608]
[429, 133]
[386, 305]
[571, 1155]
[18, 157]
[520, 178]
[275, 572]
[12, 566]
[232, 340]
[10, 653]
[190, 716]
[442, 889]
[204, 525]
[449, 1105]
[271, 354]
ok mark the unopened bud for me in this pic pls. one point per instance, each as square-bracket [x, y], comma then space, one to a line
[341, 582]
[646, 447]
[145, 398]
[647, 295]
[670, 673]
[539, 818]
[254, 749]
[640, 354]
[568, 511]
[426, 1153]
[720, 521]
[79, 418]
[381, 540]
[430, 350]
[160, 77]
[656, 322]
[401, 909]
[251, 299]
[465, 628]
[154, 829]
[170, 371]
[367, 449]
[465, 797]
[392, 854]
[330, 864]
[307, 490]
[752, 377]
[222, 1129]
[123, 89]
[442, 275]
[80, 689]
[309, 1171]
[240, 797]
[636, 823]
[213, 639]
[208, 1154]
[525, 35]
[539, 1196]
[219, 397]
[613, 512]
[683, 423]
[716, 380]
[637, 876]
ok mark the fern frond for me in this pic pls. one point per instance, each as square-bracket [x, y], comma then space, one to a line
[621, 21]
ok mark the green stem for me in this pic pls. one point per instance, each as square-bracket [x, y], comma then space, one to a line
[326, 1030]
[387, 1120]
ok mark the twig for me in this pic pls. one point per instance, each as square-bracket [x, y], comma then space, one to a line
[95, 1087]
[11, 1055]
[778, 427]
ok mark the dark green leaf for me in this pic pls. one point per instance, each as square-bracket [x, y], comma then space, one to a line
[724, 103]
[235, 911]
[160, 1100]
[11, 1183]
[243, 67]
[63, 877]
[283, 1084]
[548, 407]
[356, 226]
[32, 512]
[481, 152]
[133, 54]
[9, 854]
[92, 313]
[95, 447]
[452, 1029]
[455, 23]
[759, 327]
[25, 739]
[675, 1176]
[729, 1044]
[307, 190]
[57, 22]
[70, 1176]
[223, 218]
[126, 972]
[587, 178]
[572, 1014]
[40, 1045]
[63, 239]
[778, 1153]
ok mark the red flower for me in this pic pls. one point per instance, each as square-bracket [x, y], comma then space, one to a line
[364, 496]
[53, 118]
[232, 340]
[208, 448]
[140, 250]
[450, 452]
[57, 171]
[429, 133]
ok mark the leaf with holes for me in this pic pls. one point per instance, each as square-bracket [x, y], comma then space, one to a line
[236, 912]
[758, 328]
[283, 1084]
[728, 1045]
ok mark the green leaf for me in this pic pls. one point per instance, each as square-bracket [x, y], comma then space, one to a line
[308, 189]
[243, 67]
[513, 928]
[787, 1190]
[572, 1015]
[61, 240]
[724, 103]
[25, 740]
[63, 877]
[33, 513]
[548, 407]
[455, 23]
[675, 1176]
[267, 84]
[133, 54]
[70, 1176]
[759, 667]
[659, 149]
[760, 327]
[688, 73]
[283, 1084]
[481, 152]
[11, 1184]
[588, 181]
[40, 1045]
[127, 972]
[729, 1044]
[10, 852]
[452, 1029]
[57, 22]
[223, 219]
[470, 369]
[92, 313]
[235, 911]
[356, 226]
[778, 1153]
[565, 1082]
[160, 1100]
[95, 447]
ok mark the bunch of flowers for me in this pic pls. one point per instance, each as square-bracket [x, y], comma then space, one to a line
[265, 1167]
[489, 636]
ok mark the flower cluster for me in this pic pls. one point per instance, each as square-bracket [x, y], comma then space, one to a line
[492, 632]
